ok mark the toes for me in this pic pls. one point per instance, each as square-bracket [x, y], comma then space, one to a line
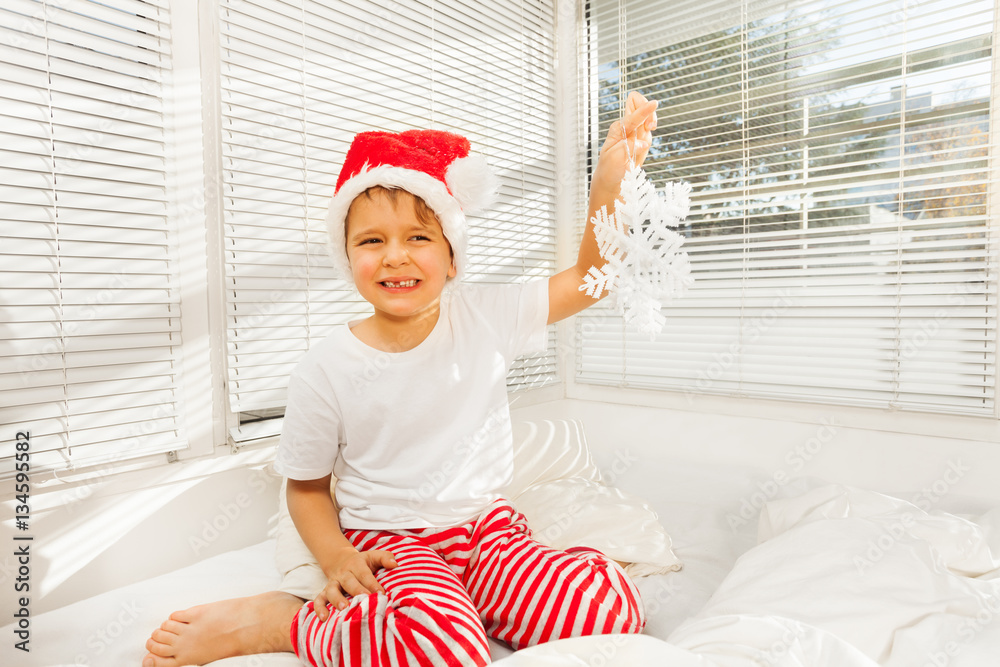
[163, 638]
[188, 615]
[173, 627]
[182, 616]
[157, 649]
[152, 661]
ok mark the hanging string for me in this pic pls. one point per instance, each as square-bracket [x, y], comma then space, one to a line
[897, 351]
[66, 451]
[623, 100]
[303, 26]
[745, 143]
[622, 75]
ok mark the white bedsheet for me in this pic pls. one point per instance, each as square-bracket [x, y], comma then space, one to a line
[801, 597]
[841, 577]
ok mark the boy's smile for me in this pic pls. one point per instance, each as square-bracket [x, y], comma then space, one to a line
[399, 262]
[400, 284]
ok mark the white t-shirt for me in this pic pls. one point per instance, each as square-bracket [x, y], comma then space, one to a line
[420, 438]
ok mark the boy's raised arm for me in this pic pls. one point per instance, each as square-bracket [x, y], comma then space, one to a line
[565, 296]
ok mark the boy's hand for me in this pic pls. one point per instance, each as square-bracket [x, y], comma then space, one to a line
[351, 572]
[634, 132]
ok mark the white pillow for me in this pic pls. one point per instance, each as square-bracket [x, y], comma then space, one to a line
[549, 450]
[855, 567]
[559, 490]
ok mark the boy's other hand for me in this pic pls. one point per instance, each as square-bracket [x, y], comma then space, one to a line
[630, 136]
[351, 572]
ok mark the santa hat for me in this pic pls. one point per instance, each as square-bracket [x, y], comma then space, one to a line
[433, 165]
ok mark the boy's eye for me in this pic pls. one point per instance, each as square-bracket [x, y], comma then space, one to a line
[375, 240]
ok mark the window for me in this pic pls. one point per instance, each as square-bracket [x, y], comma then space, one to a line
[840, 234]
[840, 231]
[91, 334]
[299, 79]
[109, 336]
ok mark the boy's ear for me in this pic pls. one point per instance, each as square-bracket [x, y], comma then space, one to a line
[452, 270]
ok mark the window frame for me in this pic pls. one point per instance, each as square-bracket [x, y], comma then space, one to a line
[960, 426]
[184, 185]
[265, 432]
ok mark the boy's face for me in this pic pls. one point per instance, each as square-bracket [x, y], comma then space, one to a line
[400, 264]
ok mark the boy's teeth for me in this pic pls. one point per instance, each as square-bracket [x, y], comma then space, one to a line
[405, 283]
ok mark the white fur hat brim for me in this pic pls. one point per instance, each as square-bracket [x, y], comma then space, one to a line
[431, 190]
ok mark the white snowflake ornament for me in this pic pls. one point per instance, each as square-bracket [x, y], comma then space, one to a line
[598, 280]
[645, 265]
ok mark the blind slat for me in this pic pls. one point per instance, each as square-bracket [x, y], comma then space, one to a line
[285, 134]
[839, 233]
[92, 336]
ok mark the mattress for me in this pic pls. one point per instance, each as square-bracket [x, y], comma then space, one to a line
[735, 601]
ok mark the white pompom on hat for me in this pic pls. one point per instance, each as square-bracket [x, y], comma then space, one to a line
[431, 164]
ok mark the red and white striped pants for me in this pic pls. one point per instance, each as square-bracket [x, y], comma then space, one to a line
[454, 586]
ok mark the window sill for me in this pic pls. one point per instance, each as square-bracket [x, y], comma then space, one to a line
[962, 427]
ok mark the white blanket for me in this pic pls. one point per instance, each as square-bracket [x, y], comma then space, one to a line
[841, 578]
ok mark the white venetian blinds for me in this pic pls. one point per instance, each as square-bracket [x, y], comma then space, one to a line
[89, 328]
[842, 231]
[299, 79]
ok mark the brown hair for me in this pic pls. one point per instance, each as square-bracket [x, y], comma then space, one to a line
[425, 213]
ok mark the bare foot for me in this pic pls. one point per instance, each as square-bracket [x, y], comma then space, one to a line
[241, 626]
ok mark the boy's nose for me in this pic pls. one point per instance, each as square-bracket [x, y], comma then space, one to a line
[395, 254]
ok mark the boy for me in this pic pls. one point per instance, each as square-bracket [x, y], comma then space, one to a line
[424, 559]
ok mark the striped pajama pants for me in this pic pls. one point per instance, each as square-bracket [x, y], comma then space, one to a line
[453, 587]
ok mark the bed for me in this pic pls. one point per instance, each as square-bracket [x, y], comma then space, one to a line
[789, 572]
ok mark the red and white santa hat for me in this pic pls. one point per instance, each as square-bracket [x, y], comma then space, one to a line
[433, 165]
